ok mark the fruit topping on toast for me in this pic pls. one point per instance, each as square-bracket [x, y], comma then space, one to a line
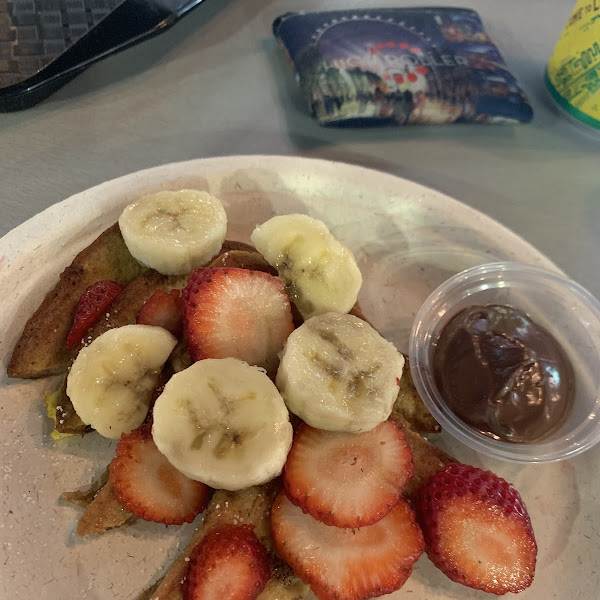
[112, 380]
[477, 530]
[348, 564]
[164, 310]
[223, 422]
[348, 479]
[189, 391]
[123, 311]
[174, 232]
[149, 487]
[237, 313]
[253, 505]
[337, 373]
[93, 304]
[230, 563]
[319, 272]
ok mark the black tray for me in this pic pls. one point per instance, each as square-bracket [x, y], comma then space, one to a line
[45, 43]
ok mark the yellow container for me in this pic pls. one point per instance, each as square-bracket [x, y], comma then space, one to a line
[573, 71]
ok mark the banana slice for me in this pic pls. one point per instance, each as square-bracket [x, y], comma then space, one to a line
[224, 423]
[320, 273]
[337, 373]
[174, 232]
[111, 381]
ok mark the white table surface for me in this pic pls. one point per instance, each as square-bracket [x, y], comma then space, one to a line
[216, 84]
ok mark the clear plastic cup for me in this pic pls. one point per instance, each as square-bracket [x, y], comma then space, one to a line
[561, 306]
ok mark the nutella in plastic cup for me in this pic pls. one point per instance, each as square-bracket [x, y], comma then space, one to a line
[573, 72]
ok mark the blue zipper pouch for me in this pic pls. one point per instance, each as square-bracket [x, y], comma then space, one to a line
[400, 66]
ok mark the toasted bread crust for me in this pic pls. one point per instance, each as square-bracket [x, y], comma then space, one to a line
[229, 245]
[41, 350]
[428, 459]
[67, 420]
[102, 511]
[243, 259]
[410, 405]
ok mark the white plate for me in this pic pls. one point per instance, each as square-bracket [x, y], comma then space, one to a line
[407, 240]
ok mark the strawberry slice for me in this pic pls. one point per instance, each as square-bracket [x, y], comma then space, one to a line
[230, 563]
[347, 564]
[163, 310]
[149, 487]
[91, 306]
[477, 529]
[348, 479]
[237, 313]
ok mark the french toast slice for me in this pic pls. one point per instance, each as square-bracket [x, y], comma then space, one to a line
[124, 311]
[127, 305]
[41, 351]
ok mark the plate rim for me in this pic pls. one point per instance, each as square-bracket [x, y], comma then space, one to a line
[11, 244]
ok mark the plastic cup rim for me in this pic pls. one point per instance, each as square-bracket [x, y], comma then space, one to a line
[508, 451]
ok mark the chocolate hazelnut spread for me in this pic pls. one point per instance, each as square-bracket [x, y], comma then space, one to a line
[503, 374]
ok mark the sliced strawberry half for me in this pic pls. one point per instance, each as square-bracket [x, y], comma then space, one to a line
[91, 306]
[348, 479]
[163, 310]
[230, 563]
[237, 313]
[347, 564]
[149, 487]
[477, 529]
